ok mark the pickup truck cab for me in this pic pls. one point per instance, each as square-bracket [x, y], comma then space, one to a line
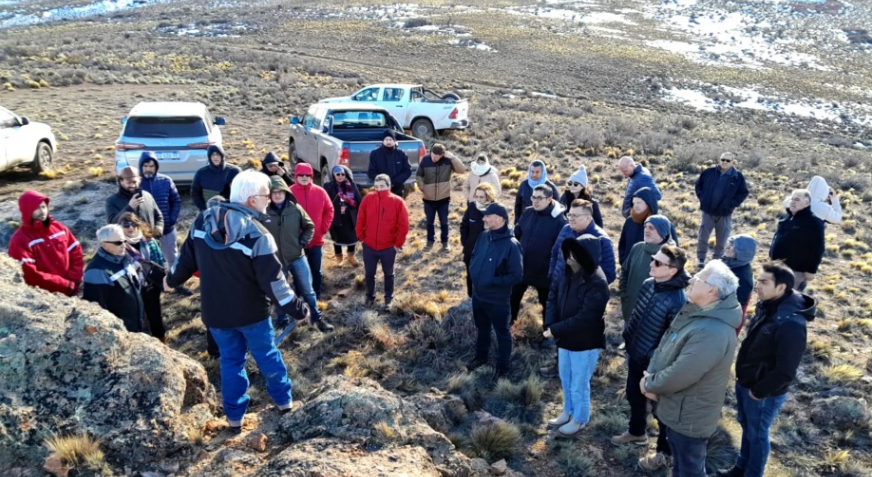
[25, 142]
[421, 110]
[344, 134]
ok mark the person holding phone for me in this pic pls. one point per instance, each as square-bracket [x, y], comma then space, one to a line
[131, 198]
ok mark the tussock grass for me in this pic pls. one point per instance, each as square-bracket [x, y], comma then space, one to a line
[77, 451]
[575, 463]
[842, 373]
[821, 350]
[494, 441]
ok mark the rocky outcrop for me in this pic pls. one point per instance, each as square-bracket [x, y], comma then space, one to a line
[355, 427]
[68, 367]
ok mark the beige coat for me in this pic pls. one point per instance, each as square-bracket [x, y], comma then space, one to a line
[472, 181]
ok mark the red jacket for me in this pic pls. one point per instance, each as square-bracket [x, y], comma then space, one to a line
[382, 220]
[51, 257]
[315, 201]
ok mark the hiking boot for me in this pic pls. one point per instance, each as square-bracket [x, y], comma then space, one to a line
[429, 246]
[570, 429]
[338, 259]
[475, 364]
[652, 462]
[446, 247]
[627, 438]
[731, 472]
[323, 326]
[353, 261]
[700, 265]
[183, 291]
[560, 420]
[549, 372]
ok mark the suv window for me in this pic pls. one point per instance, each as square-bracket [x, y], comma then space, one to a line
[393, 94]
[369, 94]
[165, 127]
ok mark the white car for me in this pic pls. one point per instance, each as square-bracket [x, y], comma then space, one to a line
[423, 111]
[24, 142]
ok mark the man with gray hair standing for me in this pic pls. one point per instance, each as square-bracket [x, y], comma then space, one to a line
[688, 374]
[112, 279]
[799, 239]
[637, 178]
[240, 278]
[720, 189]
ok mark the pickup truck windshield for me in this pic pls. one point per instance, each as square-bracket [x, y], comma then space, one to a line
[165, 127]
[344, 120]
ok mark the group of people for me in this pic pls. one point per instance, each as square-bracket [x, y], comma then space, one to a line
[257, 228]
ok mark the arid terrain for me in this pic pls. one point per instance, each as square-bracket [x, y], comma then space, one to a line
[784, 85]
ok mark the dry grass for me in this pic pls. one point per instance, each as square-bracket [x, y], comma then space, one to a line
[494, 441]
[842, 373]
[79, 451]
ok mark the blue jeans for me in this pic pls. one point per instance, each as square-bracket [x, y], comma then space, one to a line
[258, 339]
[314, 256]
[576, 368]
[496, 315]
[299, 271]
[688, 454]
[431, 208]
[756, 418]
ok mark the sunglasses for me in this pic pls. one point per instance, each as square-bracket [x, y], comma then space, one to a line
[339, 174]
[658, 263]
[129, 225]
[304, 175]
[114, 242]
[573, 184]
[726, 160]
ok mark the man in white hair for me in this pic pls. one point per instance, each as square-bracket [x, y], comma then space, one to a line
[799, 239]
[240, 279]
[112, 279]
[688, 374]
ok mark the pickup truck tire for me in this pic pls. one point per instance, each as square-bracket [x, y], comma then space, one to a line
[42, 159]
[423, 129]
[325, 173]
[451, 96]
[292, 153]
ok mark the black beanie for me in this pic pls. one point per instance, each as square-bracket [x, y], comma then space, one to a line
[389, 133]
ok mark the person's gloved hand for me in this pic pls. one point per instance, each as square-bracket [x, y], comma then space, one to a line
[300, 310]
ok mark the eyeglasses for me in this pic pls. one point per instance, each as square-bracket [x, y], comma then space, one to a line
[577, 216]
[538, 197]
[114, 242]
[304, 175]
[129, 225]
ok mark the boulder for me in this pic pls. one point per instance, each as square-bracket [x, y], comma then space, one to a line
[68, 367]
[841, 412]
[441, 411]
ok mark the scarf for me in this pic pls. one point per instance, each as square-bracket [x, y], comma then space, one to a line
[479, 169]
[639, 218]
[542, 179]
[135, 239]
[345, 193]
[732, 262]
[481, 205]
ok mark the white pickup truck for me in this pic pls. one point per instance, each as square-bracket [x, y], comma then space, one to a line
[423, 111]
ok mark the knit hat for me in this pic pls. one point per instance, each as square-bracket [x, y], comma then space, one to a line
[303, 168]
[389, 133]
[745, 246]
[277, 183]
[662, 225]
[270, 158]
[497, 209]
[579, 176]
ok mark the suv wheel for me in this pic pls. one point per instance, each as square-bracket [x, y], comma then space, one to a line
[423, 129]
[42, 159]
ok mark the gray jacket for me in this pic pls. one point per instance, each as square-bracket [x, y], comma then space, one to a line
[148, 211]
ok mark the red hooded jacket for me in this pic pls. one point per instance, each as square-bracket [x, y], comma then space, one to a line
[315, 201]
[382, 220]
[51, 257]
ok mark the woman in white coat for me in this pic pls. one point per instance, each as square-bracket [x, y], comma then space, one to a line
[480, 172]
[824, 201]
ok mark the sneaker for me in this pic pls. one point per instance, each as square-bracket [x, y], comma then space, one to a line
[446, 247]
[570, 429]
[369, 303]
[700, 265]
[183, 291]
[388, 304]
[622, 346]
[429, 246]
[323, 326]
[353, 261]
[549, 372]
[560, 420]
[627, 438]
[731, 472]
[475, 364]
[652, 462]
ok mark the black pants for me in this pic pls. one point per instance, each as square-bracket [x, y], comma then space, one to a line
[337, 250]
[371, 259]
[466, 261]
[639, 406]
[518, 295]
[153, 312]
[211, 345]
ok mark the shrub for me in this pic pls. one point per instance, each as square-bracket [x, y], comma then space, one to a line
[620, 132]
[494, 441]
[575, 463]
[587, 137]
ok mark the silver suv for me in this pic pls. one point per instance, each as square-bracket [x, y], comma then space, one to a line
[178, 133]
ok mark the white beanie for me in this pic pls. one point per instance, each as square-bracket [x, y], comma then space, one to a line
[579, 176]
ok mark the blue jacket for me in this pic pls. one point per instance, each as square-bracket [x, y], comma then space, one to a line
[720, 198]
[496, 266]
[537, 232]
[657, 305]
[567, 198]
[164, 191]
[607, 260]
[641, 178]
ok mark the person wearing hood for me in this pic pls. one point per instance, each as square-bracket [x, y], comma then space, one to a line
[271, 165]
[496, 267]
[767, 363]
[689, 372]
[389, 159]
[167, 198]
[538, 229]
[131, 198]
[738, 255]
[633, 232]
[799, 239]
[537, 174]
[637, 268]
[661, 297]
[50, 256]
[472, 225]
[637, 178]
[144, 250]
[720, 189]
[292, 230]
[315, 201]
[825, 203]
[114, 280]
[577, 188]
[575, 320]
[480, 172]
[580, 222]
[213, 179]
[346, 198]
[382, 226]
[240, 280]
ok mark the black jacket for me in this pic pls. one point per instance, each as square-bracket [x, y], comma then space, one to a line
[773, 346]
[657, 305]
[537, 232]
[577, 301]
[745, 274]
[799, 241]
[114, 283]
[148, 211]
[720, 200]
[240, 274]
[567, 198]
[394, 163]
[342, 229]
[211, 180]
[471, 226]
[496, 266]
[524, 197]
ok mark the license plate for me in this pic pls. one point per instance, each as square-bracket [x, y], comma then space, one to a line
[168, 156]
